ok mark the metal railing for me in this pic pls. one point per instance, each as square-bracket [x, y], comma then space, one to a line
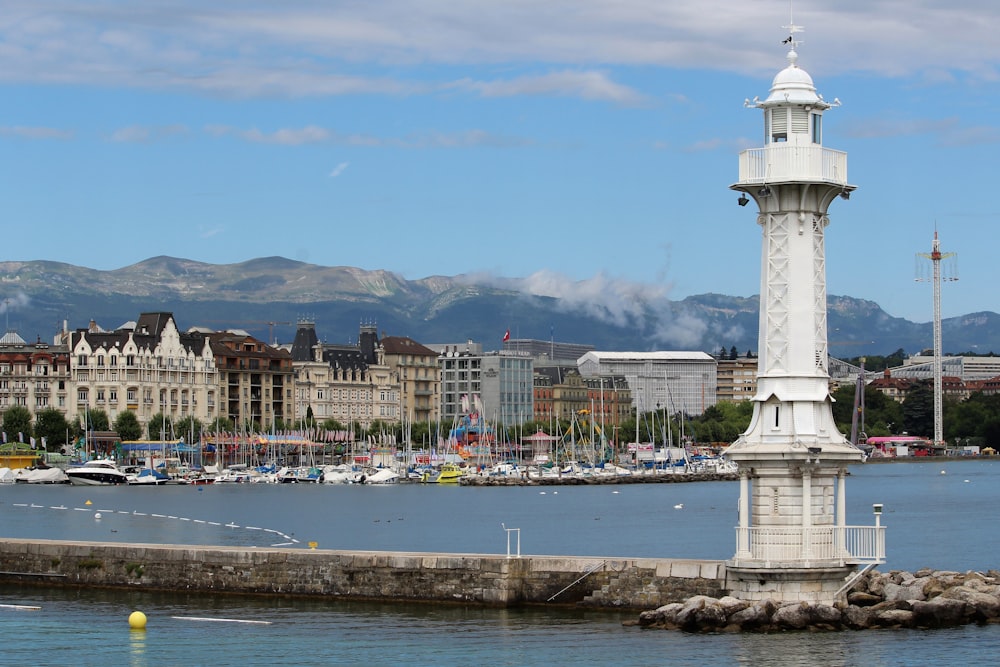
[788, 162]
[796, 545]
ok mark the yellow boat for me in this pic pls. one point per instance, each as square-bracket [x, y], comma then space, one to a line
[449, 473]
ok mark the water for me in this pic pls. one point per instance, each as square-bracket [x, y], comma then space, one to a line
[935, 520]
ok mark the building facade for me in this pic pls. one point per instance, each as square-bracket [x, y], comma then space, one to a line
[255, 380]
[35, 376]
[736, 379]
[675, 381]
[346, 383]
[419, 375]
[147, 367]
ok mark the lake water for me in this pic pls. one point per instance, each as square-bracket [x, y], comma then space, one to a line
[933, 519]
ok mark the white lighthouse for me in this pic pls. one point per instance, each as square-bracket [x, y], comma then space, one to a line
[793, 542]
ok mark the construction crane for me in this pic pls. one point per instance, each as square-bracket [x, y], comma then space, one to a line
[270, 326]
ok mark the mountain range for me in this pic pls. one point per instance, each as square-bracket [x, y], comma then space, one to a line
[267, 296]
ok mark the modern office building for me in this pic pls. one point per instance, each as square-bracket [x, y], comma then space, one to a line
[675, 381]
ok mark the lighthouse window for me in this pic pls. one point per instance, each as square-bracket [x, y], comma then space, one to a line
[800, 121]
[779, 124]
[817, 128]
[777, 416]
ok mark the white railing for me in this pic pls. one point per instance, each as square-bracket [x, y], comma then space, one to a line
[786, 162]
[800, 546]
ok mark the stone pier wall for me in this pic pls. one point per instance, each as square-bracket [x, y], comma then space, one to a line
[465, 578]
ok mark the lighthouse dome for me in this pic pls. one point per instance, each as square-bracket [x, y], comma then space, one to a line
[792, 85]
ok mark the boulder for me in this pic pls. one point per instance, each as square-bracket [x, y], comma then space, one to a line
[858, 618]
[894, 618]
[825, 615]
[912, 589]
[752, 617]
[985, 606]
[731, 605]
[860, 599]
[940, 612]
[686, 614]
[710, 617]
[793, 616]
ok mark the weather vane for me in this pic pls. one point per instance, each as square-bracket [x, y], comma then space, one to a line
[792, 28]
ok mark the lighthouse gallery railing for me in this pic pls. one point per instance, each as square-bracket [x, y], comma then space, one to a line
[798, 546]
[787, 162]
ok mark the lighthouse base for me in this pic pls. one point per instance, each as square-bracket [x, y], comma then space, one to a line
[818, 585]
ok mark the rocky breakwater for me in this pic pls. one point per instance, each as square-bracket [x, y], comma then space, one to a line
[923, 599]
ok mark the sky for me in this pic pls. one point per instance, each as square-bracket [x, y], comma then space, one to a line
[573, 148]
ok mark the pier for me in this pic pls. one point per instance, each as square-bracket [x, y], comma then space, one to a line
[496, 580]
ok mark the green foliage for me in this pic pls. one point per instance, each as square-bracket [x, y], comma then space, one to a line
[17, 419]
[51, 425]
[220, 425]
[876, 362]
[127, 426]
[93, 420]
[188, 428]
[159, 427]
[918, 410]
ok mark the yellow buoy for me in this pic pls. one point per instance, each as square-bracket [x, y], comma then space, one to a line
[88, 503]
[313, 545]
[137, 620]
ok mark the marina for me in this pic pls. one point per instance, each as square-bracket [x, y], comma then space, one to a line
[636, 521]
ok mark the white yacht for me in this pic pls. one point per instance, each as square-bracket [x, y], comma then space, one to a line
[100, 472]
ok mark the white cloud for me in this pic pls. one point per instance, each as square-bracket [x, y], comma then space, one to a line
[146, 134]
[36, 132]
[588, 85]
[19, 301]
[249, 48]
[338, 170]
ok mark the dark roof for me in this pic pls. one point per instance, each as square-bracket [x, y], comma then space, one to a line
[305, 342]
[404, 345]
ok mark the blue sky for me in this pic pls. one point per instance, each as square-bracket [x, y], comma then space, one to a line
[580, 148]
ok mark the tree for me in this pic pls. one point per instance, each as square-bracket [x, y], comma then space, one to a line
[51, 425]
[127, 426]
[17, 423]
[733, 354]
[159, 427]
[94, 420]
[188, 428]
[220, 425]
[918, 410]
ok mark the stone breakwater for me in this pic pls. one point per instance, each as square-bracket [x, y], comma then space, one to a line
[477, 579]
[585, 480]
[923, 599]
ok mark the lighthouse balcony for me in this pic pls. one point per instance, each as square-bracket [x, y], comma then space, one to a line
[783, 162]
[792, 546]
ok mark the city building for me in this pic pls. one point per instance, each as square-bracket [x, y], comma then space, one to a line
[419, 375]
[499, 384]
[675, 381]
[255, 380]
[346, 383]
[548, 352]
[33, 375]
[148, 367]
[736, 379]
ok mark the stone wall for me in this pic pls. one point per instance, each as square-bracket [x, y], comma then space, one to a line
[467, 578]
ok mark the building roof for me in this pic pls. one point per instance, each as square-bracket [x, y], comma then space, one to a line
[647, 356]
[404, 345]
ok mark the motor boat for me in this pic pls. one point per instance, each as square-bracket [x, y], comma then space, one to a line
[99, 472]
[148, 477]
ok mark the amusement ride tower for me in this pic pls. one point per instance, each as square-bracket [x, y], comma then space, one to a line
[792, 539]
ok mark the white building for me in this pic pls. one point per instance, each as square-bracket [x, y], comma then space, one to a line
[674, 381]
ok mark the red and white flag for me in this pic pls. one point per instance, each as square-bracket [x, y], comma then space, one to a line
[506, 336]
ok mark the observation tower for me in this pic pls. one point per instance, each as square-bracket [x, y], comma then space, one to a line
[793, 541]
